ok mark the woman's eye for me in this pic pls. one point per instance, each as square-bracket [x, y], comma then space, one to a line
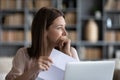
[59, 27]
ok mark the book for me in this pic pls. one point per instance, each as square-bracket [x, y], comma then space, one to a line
[42, 3]
[14, 19]
[70, 18]
[109, 36]
[72, 35]
[29, 36]
[90, 53]
[7, 4]
[12, 36]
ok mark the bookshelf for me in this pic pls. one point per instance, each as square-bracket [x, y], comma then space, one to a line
[11, 26]
[104, 45]
[16, 18]
[101, 41]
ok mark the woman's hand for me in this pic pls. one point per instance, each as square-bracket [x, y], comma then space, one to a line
[64, 45]
[43, 63]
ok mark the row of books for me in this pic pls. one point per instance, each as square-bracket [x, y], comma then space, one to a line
[70, 18]
[12, 36]
[11, 4]
[36, 4]
[19, 4]
[71, 34]
[112, 5]
[18, 19]
[112, 36]
[14, 19]
[15, 35]
[89, 53]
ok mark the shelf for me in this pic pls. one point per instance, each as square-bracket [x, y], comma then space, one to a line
[100, 43]
[86, 43]
[20, 43]
[5, 27]
[80, 12]
[90, 17]
[69, 10]
[114, 27]
[74, 43]
[12, 11]
[32, 11]
[112, 12]
[71, 27]
[113, 43]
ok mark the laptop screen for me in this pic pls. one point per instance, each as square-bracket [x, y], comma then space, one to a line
[89, 70]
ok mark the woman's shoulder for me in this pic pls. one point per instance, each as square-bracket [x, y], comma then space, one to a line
[22, 52]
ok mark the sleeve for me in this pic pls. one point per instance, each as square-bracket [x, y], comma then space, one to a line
[18, 65]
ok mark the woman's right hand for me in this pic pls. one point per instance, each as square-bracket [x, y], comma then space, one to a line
[43, 63]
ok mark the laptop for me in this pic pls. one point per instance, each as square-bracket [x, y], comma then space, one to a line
[89, 70]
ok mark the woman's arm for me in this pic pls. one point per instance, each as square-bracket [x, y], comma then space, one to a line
[28, 75]
[19, 63]
[64, 45]
[18, 67]
[42, 64]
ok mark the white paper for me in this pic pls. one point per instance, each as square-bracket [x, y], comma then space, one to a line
[56, 71]
[60, 59]
[53, 73]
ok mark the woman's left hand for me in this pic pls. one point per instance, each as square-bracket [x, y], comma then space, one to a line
[64, 45]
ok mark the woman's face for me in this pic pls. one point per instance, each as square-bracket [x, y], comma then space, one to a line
[56, 30]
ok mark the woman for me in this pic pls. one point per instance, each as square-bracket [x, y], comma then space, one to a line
[48, 32]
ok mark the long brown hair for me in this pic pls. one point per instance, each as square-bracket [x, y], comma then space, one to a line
[41, 22]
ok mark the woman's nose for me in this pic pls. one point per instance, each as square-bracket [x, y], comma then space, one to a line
[65, 33]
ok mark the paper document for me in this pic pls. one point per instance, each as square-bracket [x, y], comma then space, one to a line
[56, 71]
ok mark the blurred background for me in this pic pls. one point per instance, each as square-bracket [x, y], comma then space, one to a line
[93, 27]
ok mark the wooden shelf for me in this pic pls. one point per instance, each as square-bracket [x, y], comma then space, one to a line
[84, 10]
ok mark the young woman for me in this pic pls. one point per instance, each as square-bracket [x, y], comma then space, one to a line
[48, 32]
